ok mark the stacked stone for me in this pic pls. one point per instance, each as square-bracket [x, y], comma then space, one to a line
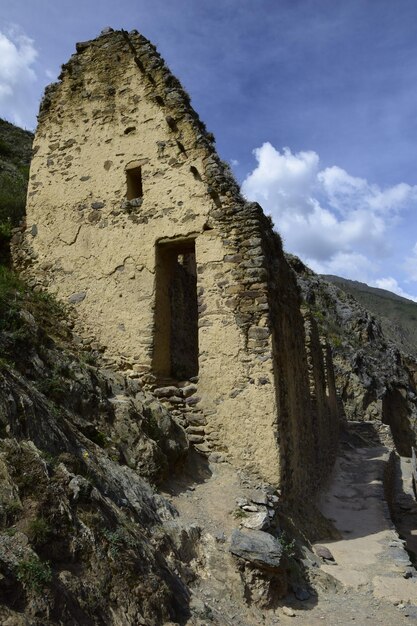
[244, 278]
[240, 221]
[323, 422]
[254, 281]
[182, 399]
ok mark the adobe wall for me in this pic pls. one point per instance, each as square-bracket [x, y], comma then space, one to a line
[117, 104]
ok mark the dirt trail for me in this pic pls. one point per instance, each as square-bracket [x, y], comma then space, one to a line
[370, 559]
[365, 587]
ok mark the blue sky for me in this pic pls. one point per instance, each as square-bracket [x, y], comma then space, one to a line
[313, 102]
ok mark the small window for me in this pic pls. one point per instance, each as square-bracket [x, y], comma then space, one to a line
[134, 183]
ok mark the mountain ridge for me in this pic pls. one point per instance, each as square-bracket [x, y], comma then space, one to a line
[398, 315]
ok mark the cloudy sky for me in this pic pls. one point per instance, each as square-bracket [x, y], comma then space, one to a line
[313, 102]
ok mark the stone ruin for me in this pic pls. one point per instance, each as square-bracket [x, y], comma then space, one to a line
[134, 219]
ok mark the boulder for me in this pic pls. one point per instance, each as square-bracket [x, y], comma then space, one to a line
[257, 547]
[257, 521]
[324, 553]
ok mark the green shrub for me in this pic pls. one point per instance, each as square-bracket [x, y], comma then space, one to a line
[13, 189]
[288, 545]
[33, 573]
[10, 289]
[335, 341]
[5, 231]
[38, 530]
[9, 283]
[52, 387]
[119, 539]
[5, 149]
[12, 510]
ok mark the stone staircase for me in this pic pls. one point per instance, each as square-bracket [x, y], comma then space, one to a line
[182, 400]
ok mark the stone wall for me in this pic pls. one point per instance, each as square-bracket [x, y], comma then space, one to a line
[118, 124]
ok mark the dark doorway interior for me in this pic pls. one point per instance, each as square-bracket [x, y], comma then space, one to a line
[134, 183]
[176, 311]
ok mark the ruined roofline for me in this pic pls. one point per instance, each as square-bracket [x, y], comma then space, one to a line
[167, 93]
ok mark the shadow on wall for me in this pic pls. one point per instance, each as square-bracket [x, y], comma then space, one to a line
[396, 414]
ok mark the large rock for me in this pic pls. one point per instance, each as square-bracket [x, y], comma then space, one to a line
[257, 547]
[257, 521]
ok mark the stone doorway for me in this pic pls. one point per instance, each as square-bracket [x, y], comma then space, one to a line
[176, 311]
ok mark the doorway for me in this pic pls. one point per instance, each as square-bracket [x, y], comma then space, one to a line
[176, 310]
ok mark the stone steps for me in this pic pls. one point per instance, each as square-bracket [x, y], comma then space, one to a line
[181, 397]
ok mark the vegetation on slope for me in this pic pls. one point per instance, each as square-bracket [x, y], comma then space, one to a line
[15, 154]
[82, 536]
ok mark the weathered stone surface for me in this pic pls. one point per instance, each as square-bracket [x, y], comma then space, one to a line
[195, 430]
[259, 497]
[250, 507]
[75, 504]
[196, 438]
[164, 392]
[123, 210]
[324, 553]
[188, 390]
[75, 298]
[196, 419]
[288, 611]
[257, 547]
[257, 521]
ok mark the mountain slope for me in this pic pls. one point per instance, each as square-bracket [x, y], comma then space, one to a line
[376, 381]
[398, 315]
[81, 527]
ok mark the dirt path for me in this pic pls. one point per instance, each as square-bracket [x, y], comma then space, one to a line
[370, 557]
[370, 551]
[365, 587]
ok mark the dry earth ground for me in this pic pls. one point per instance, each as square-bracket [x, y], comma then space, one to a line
[365, 586]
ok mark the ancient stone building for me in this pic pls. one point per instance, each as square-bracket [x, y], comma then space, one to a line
[133, 219]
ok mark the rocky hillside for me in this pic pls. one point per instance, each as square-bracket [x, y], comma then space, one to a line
[398, 316]
[376, 381]
[82, 528]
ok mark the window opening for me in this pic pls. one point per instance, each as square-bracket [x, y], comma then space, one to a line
[134, 183]
[176, 311]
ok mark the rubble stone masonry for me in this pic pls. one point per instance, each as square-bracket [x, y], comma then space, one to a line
[134, 219]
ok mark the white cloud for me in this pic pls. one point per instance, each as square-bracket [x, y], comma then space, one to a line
[391, 284]
[410, 265]
[335, 222]
[283, 180]
[351, 264]
[345, 192]
[17, 56]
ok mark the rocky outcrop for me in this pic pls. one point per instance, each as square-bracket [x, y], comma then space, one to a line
[85, 538]
[396, 314]
[376, 382]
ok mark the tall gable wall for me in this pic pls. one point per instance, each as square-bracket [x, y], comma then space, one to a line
[259, 394]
